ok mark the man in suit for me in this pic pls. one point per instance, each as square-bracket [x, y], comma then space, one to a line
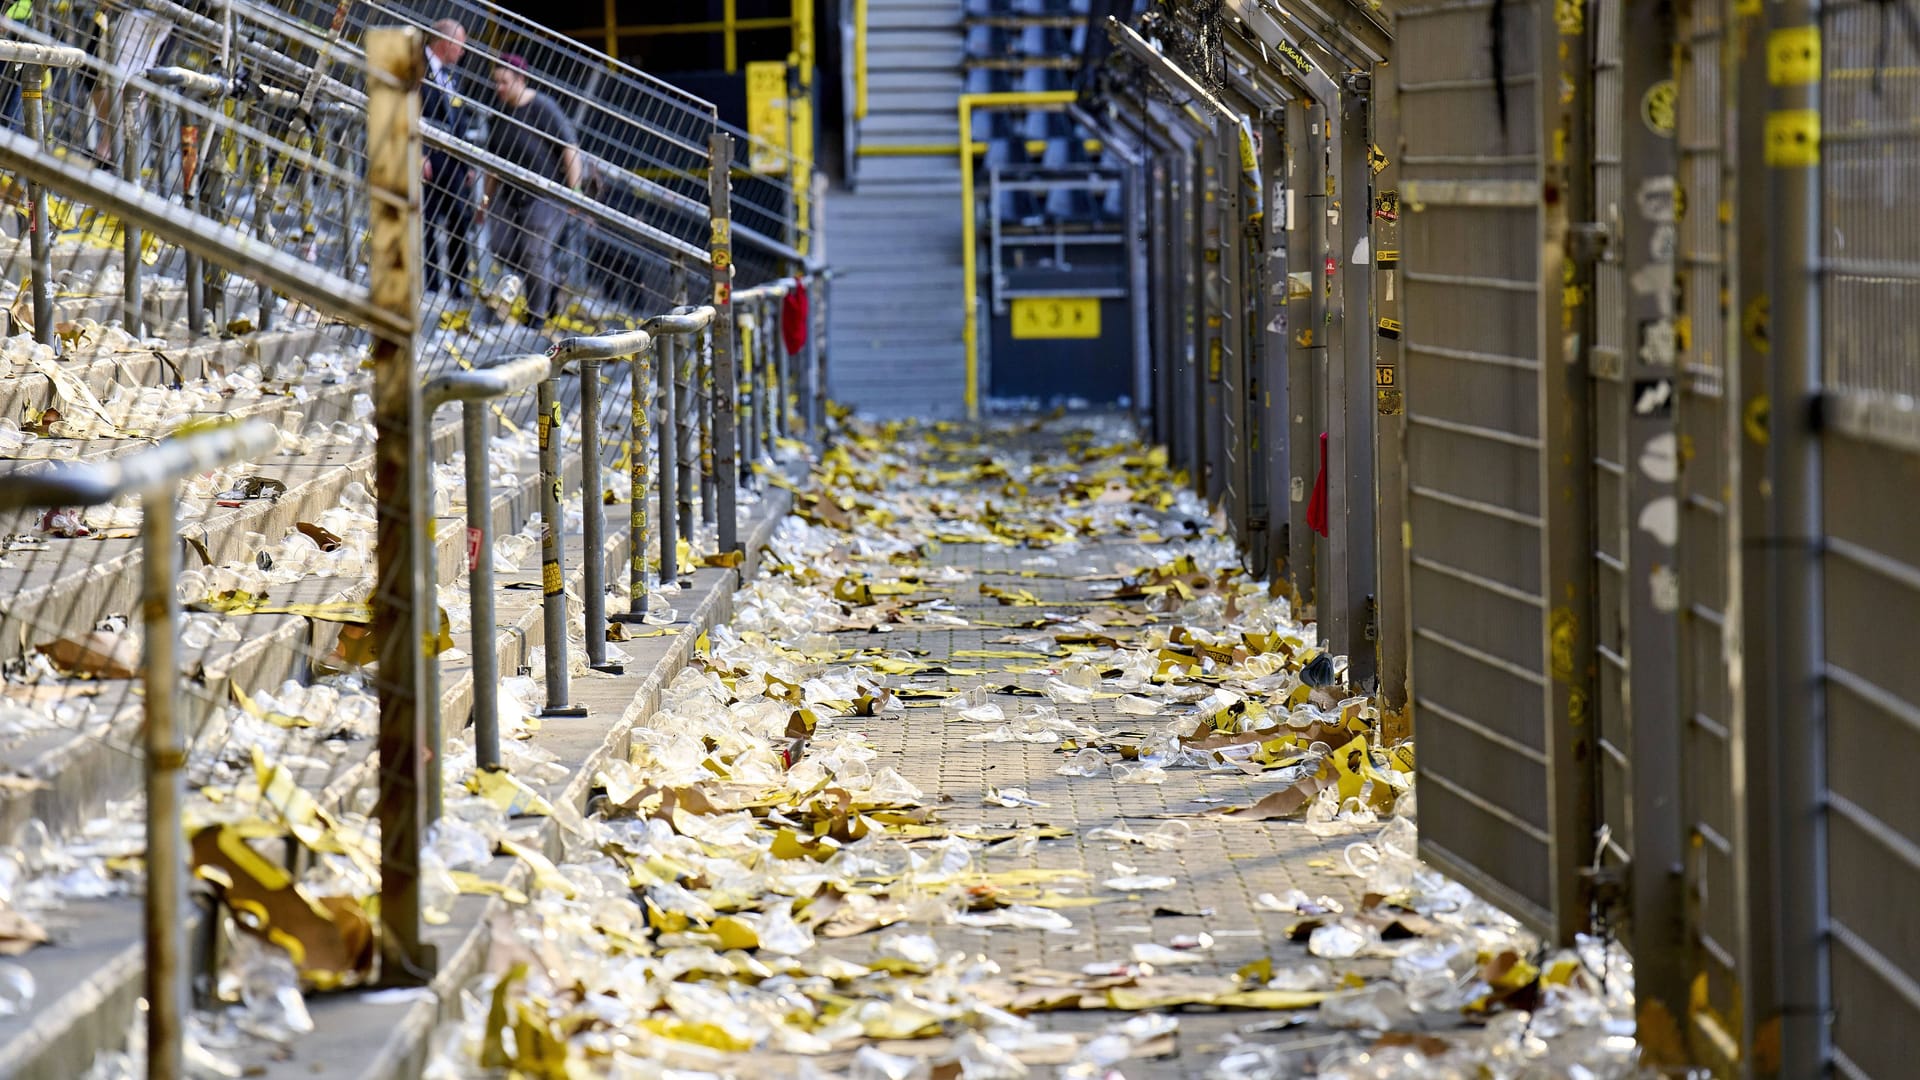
[448, 204]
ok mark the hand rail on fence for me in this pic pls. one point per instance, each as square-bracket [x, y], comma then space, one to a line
[668, 331]
[640, 186]
[590, 353]
[476, 391]
[154, 473]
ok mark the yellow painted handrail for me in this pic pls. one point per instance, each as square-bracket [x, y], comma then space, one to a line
[1013, 99]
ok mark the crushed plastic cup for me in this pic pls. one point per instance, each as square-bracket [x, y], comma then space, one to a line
[1147, 952]
[1135, 705]
[872, 1064]
[1130, 879]
[1339, 940]
[1126, 772]
[270, 993]
[1087, 762]
[16, 989]
[1305, 975]
[1379, 1006]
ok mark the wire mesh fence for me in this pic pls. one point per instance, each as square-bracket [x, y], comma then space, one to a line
[226, 238]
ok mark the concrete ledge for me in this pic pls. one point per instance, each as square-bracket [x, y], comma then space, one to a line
[384, 1034]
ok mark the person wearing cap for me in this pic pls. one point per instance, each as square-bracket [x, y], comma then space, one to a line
[532, 133]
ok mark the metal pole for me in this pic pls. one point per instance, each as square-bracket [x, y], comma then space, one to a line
[129, 154]
[476, 422]
[816, 328]
[190, 195]
[1392, 614]
[1754, 730]
[1794, 551]
[686, 364]
[782, 374]
[1650, 454]
[262, 228]
[553, 582]
[593, 518]
[703, 389]
[1309, 401]
[167, 977]
[669, 469]
[749, 387]
[403, 594]
[726, 464]
[1349, 618]
[37, 241]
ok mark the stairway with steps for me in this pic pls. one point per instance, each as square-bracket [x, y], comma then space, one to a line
[896, 329]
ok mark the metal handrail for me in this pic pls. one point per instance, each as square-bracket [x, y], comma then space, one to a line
[476, 390]
[154, 474]
[642, 187]
[667, 330]
[38, 55]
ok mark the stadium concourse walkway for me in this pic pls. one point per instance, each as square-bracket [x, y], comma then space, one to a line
[1002, 767]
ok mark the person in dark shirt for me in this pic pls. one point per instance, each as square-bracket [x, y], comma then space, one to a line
[532, 133]
[449, 188]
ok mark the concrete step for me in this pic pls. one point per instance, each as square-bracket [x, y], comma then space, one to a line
[89, 980]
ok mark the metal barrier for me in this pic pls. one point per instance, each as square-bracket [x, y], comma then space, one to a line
[292, 194]
[476, 391]
[1635, 286]
[154, 475]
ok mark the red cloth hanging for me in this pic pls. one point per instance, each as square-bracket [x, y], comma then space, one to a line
[1317, 506]
[793, 319]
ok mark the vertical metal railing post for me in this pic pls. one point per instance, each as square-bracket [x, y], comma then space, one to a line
[1755, 732]
[726, 462]
[403, 593]
[476, 430]
[815, 381]
[1345, 619]
[1392, 616]
[130, 150]
[593, 514]
[167, 984]
[749, 329]
[703, 401]
[1313, 207]
[669, 465]
[1794, 546]
[476, 390]
[39, 244]
[686, 410]
[553, 578]
[190, 195]
[1650, 454]
[262, 226]
[783, 374]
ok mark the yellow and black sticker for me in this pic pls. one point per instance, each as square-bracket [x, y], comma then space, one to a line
[1389, 329]
[1793, 56]
[1793, 138]
[1385, 375]
[1036, 317]
[1376, 160]
[1299, 58]
[1657, 107]
[1389, 258]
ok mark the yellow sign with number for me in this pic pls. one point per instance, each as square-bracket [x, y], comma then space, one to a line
[1056, 317]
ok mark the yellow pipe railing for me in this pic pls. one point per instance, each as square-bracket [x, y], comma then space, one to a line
[970, 285]
[859, 59]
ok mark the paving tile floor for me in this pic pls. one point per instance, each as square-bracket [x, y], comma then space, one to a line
[1219, 868]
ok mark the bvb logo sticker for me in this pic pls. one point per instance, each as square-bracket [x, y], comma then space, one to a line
[1657, 108]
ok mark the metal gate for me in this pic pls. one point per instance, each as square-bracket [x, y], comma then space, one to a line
[1869, 166]
[1496, 508]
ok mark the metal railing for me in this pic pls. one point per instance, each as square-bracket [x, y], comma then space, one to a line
[305, 187]
[154, 476]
